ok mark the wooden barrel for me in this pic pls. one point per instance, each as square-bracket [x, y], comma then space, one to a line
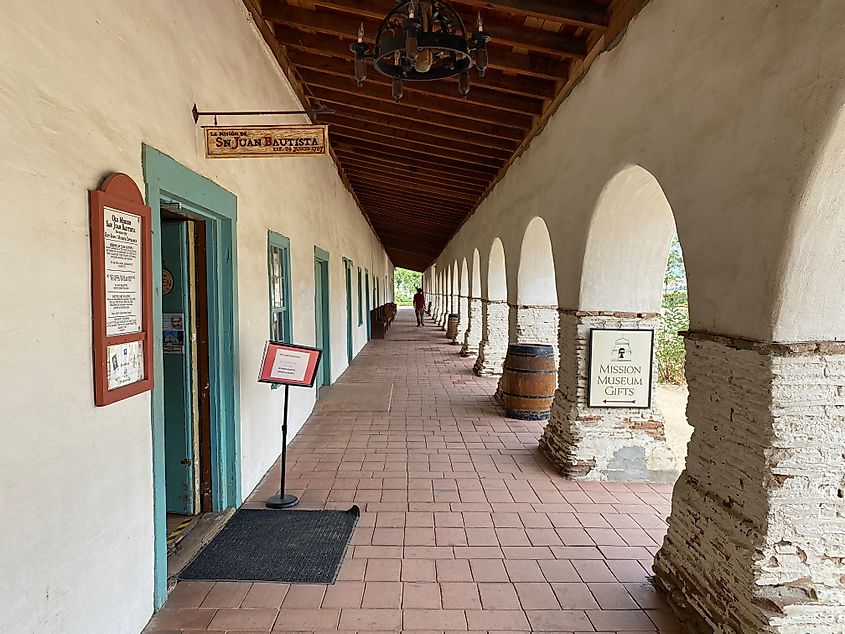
[452, 326]
[528, 382]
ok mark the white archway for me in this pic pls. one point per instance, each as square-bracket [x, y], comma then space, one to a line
[627, 245]
[536, 283]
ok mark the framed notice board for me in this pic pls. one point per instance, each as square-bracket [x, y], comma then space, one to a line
[289, 364]
[121, 290]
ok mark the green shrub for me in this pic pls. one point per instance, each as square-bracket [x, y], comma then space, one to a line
[670, 346]
[406, 284]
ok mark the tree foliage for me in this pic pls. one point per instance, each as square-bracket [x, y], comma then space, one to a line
[406, 284]
[674, 318]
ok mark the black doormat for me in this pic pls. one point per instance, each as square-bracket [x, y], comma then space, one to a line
[280, 546]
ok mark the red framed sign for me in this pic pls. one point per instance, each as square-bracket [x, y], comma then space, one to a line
[121, 288]
[289, 364]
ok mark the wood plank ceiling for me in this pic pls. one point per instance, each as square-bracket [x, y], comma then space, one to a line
[419, 168]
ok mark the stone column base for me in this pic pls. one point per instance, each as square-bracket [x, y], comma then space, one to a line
[756, 540]
[614, 444]
[494, 346]
[472, 337]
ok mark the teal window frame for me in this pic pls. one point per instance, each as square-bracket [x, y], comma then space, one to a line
[282, 244]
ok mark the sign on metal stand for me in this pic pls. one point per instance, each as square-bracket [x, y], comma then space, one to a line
[287, 364]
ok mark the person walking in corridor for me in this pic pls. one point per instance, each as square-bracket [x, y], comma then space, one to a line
[419, 306]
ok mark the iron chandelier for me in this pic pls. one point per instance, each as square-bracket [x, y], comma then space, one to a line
[423, 40]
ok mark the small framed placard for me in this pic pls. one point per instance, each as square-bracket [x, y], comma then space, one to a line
[121, 290]
[289, 364]
[620, 367]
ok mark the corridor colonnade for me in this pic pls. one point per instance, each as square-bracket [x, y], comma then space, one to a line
[739, 148]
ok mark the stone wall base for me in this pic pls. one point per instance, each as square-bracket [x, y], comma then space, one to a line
[615, 444]
[756, 540]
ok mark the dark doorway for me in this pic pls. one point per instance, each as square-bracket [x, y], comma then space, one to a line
[185, 344]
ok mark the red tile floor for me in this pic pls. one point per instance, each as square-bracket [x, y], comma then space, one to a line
[464, 525]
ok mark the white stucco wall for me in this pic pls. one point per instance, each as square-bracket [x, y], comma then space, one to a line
[82, 86]
[743, 135]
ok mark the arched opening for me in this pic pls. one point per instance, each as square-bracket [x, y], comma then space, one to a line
[476, 274]
[495, 315]
[472, 336]
[453, 303]
[536, 318]
[536, 284]
[497, 279]
[463, 301]
[636, 432]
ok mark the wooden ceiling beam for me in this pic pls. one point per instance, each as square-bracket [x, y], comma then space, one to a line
[581, 13]
[401, 167]
[417, 137]
[410, 177]
[380, 91]
[413, 158]
[530, 64]
[478, 95]
[412, 205]
[419, 127]
[410, 199]
[445, 151]
[422, 182]
[363, 102]
[417, 188]
[561, 45]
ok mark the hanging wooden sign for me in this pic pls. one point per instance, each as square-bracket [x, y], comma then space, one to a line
[260, 141]
[121, 287]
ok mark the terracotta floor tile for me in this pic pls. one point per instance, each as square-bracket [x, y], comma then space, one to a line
[189, 594]
[344, 594]
[559, 621]
[370, 619]
[453, 570]
[383, 569]
[612, 596]
[499, 596]
[524, 570]
[440, 620]
[492, 619]
[382, 594]
[593, 570]
[419, 570]
[536, 596]
[251, 619]
[450, 536]
[304, 596]
[265, 595]
[179, 618]
[621, 620]
[424, 595]
[460, 596]
[574, 596]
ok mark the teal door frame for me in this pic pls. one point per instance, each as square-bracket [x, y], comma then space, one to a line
[367, 294]
[347, 273]
[168, 181]
[322, 257]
